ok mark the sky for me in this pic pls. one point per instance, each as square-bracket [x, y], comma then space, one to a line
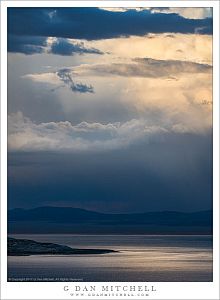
[110, 109]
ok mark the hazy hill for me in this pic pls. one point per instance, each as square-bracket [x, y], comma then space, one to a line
[75, 220]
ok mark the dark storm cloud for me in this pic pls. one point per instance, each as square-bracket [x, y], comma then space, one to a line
[26, 44]
[89, 24]
[63, 47]
[64, 75]
[141, 178]
[37, 44]
[94, 23]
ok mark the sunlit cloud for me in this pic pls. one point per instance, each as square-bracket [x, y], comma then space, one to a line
[144, 67]
[187, 12]
[25, 135]
[138, 67]
[187, 47]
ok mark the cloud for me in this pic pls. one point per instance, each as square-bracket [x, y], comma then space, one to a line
[37, 44]
[25, 135]
[65, 76]
[164, 92]
[30, 37]
[196, 47]
[172, 67]
[186, 12]
[138, 67]
[64, 47]
[94, 23]
[26, 44]
[174, 174]
[148, 67]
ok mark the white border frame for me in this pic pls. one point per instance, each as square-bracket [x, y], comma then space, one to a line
[55, 290]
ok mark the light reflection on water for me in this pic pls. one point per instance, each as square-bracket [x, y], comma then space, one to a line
[140, 258]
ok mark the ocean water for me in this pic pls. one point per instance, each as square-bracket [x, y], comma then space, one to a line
[153, 258]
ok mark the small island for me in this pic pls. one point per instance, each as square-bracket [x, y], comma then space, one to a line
[23, 247]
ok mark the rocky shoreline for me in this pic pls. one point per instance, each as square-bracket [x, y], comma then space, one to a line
[23, 247]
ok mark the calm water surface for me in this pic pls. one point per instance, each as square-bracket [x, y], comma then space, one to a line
[140, 258]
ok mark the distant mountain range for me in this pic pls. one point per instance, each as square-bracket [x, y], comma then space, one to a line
[75, 220]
